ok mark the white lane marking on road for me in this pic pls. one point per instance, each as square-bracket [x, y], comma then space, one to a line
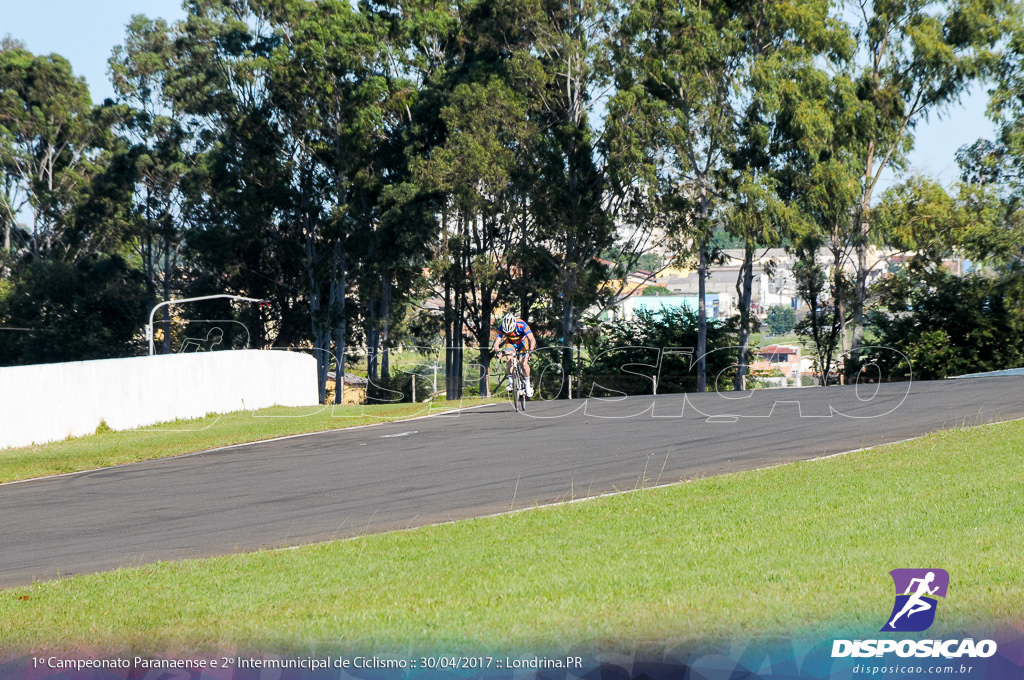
[400, 434]
[443, 414]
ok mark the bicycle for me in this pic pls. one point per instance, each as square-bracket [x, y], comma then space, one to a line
[517, 379]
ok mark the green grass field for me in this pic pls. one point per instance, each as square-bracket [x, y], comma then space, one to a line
[793, 550]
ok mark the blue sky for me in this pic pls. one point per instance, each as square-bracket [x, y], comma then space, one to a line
[85, 32]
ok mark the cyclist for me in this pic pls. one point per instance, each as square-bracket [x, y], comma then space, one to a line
[516, 334]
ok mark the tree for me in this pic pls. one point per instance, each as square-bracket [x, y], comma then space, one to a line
[820, 182]
[948, 325]
[625, 350]
[916, 58]
[48, 136]
[822, 321]
[12, 193]
[236, 193]
[684, 59]
[781, 319]
[158, 156]
[572, 43]
[944, 320]
[632, 194]
[68, 291]
[479, 167]
[329, 87]
[784, 45]
[919, 216]
[60, 310]
[993, 170]
[426, 49]
[477, 150]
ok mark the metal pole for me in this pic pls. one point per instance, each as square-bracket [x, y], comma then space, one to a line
[149, 326]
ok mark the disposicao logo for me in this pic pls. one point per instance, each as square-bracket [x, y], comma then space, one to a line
[917, 593]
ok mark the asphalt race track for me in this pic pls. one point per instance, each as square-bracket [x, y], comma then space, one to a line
[480, 461]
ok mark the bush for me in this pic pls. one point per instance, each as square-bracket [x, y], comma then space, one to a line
[781, 320]
[59, 311]
[948, 325]
[629, 355]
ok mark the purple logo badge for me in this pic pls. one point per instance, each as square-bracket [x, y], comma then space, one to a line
[917, 593]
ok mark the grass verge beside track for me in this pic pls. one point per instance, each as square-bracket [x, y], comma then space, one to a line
[107, 447]
[794, 550]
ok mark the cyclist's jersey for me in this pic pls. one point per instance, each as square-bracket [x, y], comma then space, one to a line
[518, 335]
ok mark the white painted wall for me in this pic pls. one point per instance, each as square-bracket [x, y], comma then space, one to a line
[50, 402]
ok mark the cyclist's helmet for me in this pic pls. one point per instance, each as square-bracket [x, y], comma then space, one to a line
[508, 323]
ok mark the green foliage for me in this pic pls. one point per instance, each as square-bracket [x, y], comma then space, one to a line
[821, 324]
[915, 59]
[949, 325]
[49, 140]
[781, 319]
[656, 290]
[154, 156]
[332, 156]
[60, 311]
[627, 354]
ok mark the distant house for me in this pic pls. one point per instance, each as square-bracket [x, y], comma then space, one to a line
[641, 276]
[355, 388]
[716, 305]
[784, 357]
[773, 283]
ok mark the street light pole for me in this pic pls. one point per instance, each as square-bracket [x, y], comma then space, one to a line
[149, 326]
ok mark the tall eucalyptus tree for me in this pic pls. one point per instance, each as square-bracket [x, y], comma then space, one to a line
[572, 44]
[331, 92]
[785, 45]
[685, 58]
[50, 146]
[237, 192]
[915, 59]
[158, 154]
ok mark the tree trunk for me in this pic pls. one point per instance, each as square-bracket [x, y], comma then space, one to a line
[484, 340]
[372, 343]
[385, 324]
[567, 363]
[316, 321]
[447, 315]
[863, 228]
[702, 318]
[457, 349]
[340, 328]
[339, 365]
[744, 287]
[453, 342]
[167, 296]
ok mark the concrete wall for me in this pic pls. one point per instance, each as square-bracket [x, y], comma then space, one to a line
[50, 402]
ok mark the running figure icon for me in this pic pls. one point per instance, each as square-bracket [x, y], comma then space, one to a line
[916, 603]
[917, 595]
